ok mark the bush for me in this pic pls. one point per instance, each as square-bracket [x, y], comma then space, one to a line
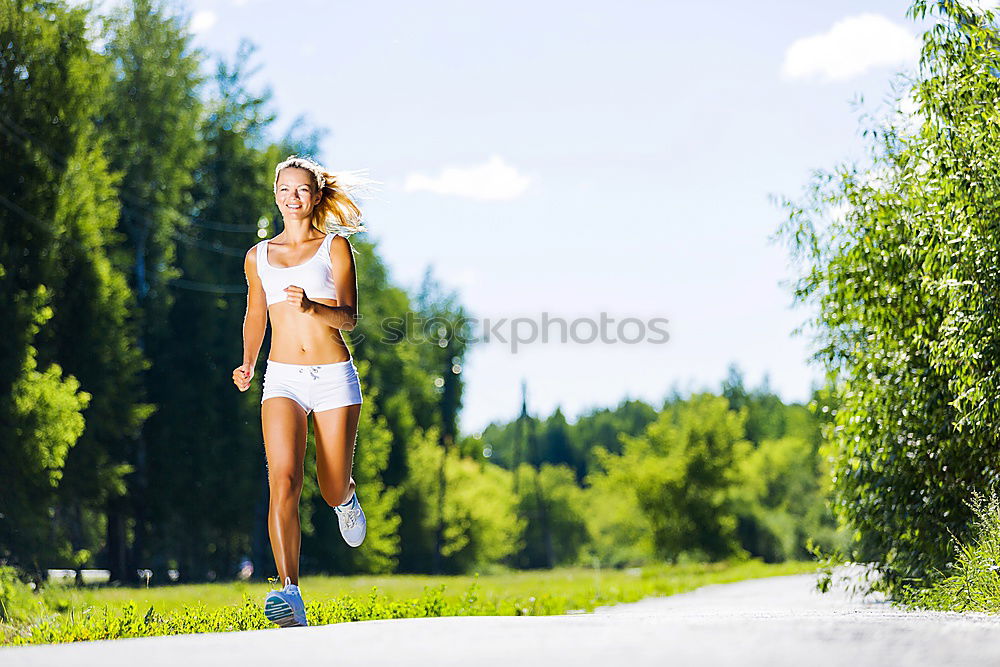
[900, 264]
[782, 506]
[479, 524]
[19, 605]
[673, 486]
[972, 582]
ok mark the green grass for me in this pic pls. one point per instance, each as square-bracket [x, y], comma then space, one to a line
[69, 614]
[972, 583]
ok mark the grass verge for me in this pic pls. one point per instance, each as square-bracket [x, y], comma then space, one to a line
[70, 615]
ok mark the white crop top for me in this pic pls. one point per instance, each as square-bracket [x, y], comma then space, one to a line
[313, 275]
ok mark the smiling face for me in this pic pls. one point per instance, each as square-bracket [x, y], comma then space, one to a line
[295, 193]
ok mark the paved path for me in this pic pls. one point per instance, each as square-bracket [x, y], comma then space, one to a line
[773, 621]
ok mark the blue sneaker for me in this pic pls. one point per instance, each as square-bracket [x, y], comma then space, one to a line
[351, 517]
[285, 607]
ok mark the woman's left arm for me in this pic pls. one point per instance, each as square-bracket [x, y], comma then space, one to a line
[345, 314]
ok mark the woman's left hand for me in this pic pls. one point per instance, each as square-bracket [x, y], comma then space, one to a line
[296, 296]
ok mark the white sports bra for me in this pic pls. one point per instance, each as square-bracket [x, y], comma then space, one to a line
[313, 275]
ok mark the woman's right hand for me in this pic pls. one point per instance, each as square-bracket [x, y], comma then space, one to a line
[242, 376]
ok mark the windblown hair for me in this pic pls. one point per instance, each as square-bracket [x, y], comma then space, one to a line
[336, 211]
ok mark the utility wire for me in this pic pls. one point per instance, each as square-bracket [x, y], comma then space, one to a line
[177, 282]
[59, 160]
[21, 212]
[209, 287]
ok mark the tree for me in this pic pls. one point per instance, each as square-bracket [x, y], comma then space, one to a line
[681, 475]
[444, 323]
[479, 515]
[63, 306]
[550, 491]
[151, 116]
[901, 262]
[782, 492]
[205, 437]
[765, 410]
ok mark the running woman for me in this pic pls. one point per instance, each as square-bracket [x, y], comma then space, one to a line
[304, 281]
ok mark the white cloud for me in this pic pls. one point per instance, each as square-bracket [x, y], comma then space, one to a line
[203, 20]
[493, 179]
[851, 47]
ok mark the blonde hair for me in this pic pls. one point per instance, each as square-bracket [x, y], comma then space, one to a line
[336, 212]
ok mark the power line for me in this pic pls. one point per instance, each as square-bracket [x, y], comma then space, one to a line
[60, 160]
[226, 227]
[24, 214]
[208, 287]
[177, 282]
[214, 246]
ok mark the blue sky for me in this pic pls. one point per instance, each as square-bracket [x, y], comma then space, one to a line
[585, 157]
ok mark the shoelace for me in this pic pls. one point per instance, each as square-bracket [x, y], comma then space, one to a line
[350, 516]
[288, 580]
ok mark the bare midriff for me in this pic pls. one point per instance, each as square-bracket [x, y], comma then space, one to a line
[300, 338]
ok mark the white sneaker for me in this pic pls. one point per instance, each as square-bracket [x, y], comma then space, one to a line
[285, 607]
[353, 525]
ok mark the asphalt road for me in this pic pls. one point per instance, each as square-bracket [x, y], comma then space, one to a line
[773, 621]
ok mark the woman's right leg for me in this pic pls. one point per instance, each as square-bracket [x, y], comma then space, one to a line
[284, 425]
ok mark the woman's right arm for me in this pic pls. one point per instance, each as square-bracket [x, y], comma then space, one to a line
[254, 324]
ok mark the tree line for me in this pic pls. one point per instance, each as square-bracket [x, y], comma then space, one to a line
[132, 187]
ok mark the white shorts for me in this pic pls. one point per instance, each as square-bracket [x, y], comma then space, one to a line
[315, 388]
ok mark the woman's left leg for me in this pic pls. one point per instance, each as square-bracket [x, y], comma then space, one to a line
[336, 432]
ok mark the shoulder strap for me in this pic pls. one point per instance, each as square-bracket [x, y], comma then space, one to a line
[327, 241]
[261, 256]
